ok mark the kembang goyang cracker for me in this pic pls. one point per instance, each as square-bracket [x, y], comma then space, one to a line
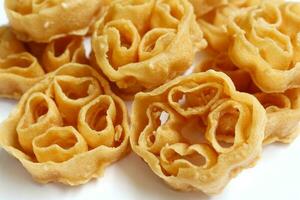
[263, 46]
[213, 17]
[283, 112]
[204, 8]
[197, 132]
[19, 70]
[283, 109]
[139, 45]
[46, 20]
[62, 51]
[24, 64]
[18, 73]
[68, 127]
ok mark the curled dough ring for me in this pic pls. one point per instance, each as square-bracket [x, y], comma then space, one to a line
[271, 60]
[47, 130]
[197, 132]
[18, 73]
[136, 40]
[283, 109]
[31, 18]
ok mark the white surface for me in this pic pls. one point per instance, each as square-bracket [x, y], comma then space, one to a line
[276, 177]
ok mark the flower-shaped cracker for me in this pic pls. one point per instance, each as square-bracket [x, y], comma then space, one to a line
[45, 20]
[142, 44]
[291, 19]
[203, 7]
[259, 47]
[213, 17]
[62, 51]
[68, 127]
[24, 64]
[221, 62]
[197, 132]
[18, 73]
[283, 109]
[283, 112]
[18, 70]
[207, 7]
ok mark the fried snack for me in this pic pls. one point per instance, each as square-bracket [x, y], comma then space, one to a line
[222, 63]
[202, 7]
[19, 69]
[290, 19]
[62, 51]
[260, 48]
[40, 114]
[59, 144]
[283, 112]
[139, 45]
[9, 44]
[46, 20]
[283, 109]
[68, 127]
[290, 26]
[207, 7]
[214, 26]
[214, 16]
[197, 132]
[18, 73]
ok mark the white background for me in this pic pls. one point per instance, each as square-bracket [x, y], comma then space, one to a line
[275, 177]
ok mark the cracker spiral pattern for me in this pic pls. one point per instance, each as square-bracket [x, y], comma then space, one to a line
[18, 73]
[214, 16]
[24, 64]
[283, 109]
[272, 58]
[139, 45]
[197, 132]
[68, 127]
